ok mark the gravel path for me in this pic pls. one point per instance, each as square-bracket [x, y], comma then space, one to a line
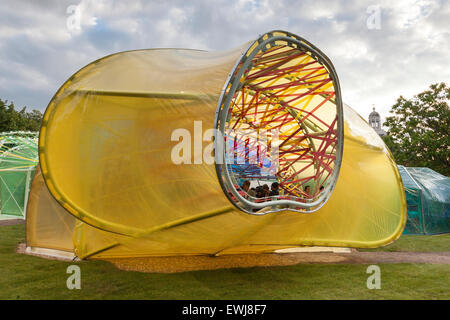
[10, 222]
[192, 263]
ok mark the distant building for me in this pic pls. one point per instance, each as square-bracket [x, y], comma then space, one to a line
[375, 122]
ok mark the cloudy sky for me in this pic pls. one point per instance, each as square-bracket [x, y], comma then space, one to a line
[380, 49]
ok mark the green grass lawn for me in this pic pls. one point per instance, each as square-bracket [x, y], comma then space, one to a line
[436, 243]
[28, 277]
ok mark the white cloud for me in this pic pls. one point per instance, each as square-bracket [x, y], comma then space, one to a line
[408, 52]
[410, 13]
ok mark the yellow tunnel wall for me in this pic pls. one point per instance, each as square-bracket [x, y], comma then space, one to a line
[105, 149]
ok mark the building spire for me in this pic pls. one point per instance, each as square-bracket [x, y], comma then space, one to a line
[375, 122]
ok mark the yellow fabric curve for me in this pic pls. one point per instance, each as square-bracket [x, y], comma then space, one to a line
[105, 154]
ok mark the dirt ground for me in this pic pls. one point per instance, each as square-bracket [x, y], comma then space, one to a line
[192, 263]
[11, 222]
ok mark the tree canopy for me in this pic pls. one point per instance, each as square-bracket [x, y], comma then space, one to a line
[13, 120]
[418, 130]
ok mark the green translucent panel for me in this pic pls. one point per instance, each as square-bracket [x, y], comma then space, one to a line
[428, 199]
[18, 160]
[13, 190]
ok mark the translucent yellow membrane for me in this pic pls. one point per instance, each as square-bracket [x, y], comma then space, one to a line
[48, 224]
[287, 92]
[108, 139]
[114, 191]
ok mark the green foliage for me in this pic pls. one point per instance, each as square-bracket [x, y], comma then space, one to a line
[418, 130]
[13, 120]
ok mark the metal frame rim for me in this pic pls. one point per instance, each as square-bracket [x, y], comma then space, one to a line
[223, 108]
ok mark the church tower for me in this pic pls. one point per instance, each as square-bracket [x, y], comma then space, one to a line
[375, 122]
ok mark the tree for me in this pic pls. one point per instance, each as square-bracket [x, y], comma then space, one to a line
[418, 130]
[12, 120]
